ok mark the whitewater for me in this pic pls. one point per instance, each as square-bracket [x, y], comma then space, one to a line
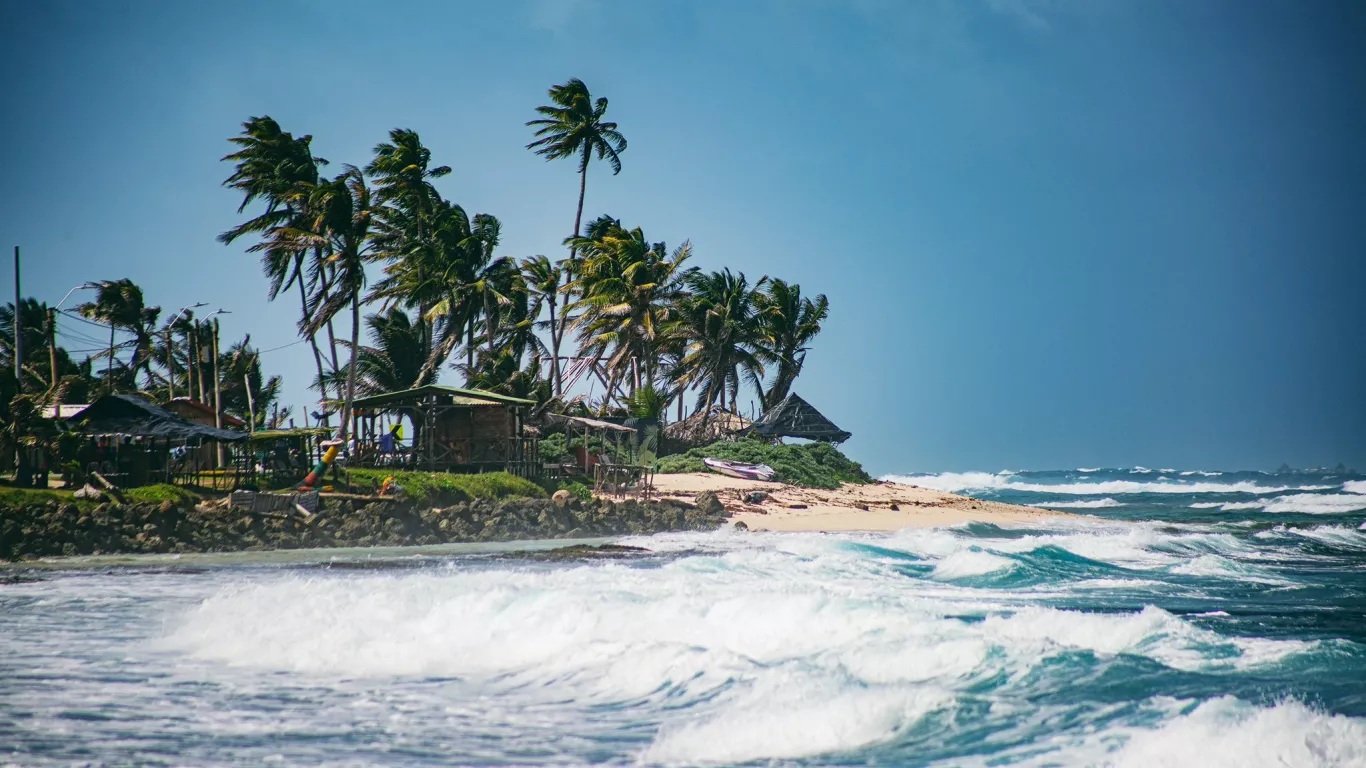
[1197, 618]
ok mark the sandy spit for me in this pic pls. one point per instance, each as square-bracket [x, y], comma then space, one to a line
[881, 506]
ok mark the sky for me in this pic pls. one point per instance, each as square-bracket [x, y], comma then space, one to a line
[1053, 234]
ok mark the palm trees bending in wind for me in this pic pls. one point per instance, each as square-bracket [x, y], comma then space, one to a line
[573, 126]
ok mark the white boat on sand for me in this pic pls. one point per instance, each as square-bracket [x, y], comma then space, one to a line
[737, 469]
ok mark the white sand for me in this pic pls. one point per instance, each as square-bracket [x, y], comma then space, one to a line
[881, 506]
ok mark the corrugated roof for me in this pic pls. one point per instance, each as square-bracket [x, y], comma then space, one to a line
[587, 422]
[472, 397]
[228, 419]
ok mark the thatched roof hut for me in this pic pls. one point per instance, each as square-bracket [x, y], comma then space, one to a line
[707, 426]
[794, 417]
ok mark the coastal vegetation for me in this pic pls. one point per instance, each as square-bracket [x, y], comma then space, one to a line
[396, 285]
[815, 465]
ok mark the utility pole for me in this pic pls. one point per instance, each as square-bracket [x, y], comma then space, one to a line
[170, 366]
[52, 343]
[217, 391]
[18, 327]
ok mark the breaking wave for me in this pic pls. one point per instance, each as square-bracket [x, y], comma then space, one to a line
[954, 482]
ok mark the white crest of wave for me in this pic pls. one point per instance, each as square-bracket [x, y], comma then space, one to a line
[1354, 486]
[970, 562]
[760, 647]
[1317, 504]
[954, 482]
[1087, 504]
[1218, 566]
[1152, 632]
[1089, 470]
[1228, 733]
[1201, 473]
[1207, 504]
[1140, 471]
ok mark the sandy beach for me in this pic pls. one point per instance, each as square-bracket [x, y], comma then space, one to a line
[880, 506]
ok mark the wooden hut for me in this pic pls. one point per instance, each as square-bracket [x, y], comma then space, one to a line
[455, 430]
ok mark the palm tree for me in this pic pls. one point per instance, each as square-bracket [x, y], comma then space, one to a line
[402, 175]
[543, 279]
[272, 165]
[119, 304]
[338, 222]
[246, 392]
[787, 324]
[629, 289]
[720, 336]
[573, 126]
[395, 360]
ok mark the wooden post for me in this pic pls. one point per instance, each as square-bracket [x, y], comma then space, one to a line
[170, 366]
[52, 345]
[18, 327]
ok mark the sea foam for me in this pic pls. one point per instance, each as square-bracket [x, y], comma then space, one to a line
[953, 482]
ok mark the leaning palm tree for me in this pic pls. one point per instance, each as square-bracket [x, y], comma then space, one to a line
[340, 213]
[787, 324]
[272, 166]
[572, 126]
[720, 337]
[407, 205]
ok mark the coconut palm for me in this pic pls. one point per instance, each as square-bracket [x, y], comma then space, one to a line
[629, 289]
[407, 203]
[543, 279]
[338, 222]
[244, 391]
[787, 324]
[119, 304]
[720, 336]
[272, 166]
[572, 126]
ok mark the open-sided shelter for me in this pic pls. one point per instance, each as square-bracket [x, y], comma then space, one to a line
[136, 440]
[794, 417]
[458, 430]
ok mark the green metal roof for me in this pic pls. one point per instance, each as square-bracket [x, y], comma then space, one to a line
[276, 434]
[458, 395]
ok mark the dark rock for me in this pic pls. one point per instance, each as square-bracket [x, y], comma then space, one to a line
[740, 525]
[710, 505]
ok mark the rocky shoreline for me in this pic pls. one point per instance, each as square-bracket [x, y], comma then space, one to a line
[54, 529]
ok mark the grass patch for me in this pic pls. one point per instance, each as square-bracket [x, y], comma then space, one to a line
[815, 465]
[439, 488]
[25, 497]
[155, 494]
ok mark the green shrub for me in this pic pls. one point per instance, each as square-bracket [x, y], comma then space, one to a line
[437, 488]
[578, 490]
[815, 465]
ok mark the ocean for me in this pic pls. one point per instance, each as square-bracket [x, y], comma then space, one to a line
[1188, 618]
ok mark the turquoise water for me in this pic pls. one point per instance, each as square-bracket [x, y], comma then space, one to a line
[1189, 619]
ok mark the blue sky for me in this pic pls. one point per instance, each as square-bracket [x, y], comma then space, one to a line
[1052, 233]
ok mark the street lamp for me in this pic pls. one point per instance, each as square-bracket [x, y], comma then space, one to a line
[52, 331]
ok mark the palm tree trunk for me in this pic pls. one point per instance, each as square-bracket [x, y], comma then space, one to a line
[488, 321]
[573, 256]
[469, 350]
[109, 370]
[313, 343]
[554, 350]
[351, 367]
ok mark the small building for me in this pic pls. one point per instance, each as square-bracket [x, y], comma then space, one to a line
[132, 441]
[455, 430]
[200, 413]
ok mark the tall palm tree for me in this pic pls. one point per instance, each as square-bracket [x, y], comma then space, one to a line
[340, 214]
[629, 289]
[272, 166]
[720, 335]
[573, 126]
[407, 203]
[787, 324]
